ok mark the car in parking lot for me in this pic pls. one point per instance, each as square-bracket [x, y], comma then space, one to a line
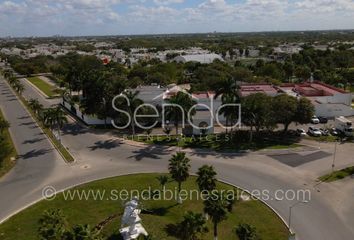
[324, 132]
[301, 132]
[323, 119]
[315, 120]
[334, 132]
[314, 132]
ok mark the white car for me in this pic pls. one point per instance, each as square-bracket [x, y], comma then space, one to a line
[315, 120]
[315, 132]
[301, 132]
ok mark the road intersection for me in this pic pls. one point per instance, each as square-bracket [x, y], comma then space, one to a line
[101, 154]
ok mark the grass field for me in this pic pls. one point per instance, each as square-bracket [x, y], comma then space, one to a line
[6, 163]
[46, 88]
[156, 216]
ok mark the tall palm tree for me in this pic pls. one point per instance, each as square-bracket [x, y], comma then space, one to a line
[12, 80]
[206, 178]
[216, 206]
[192, 226]
[35, 105]
[174, 113]
[163, 179]
[179, 169]
[228, 86]
[55, 117]
[134, 103]
[229, 112]
[8, 73]
[19, 88]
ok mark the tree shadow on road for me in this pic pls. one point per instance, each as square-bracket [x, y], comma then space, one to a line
[35, 153]
[152, 152]
[31, 141]
[108, 144]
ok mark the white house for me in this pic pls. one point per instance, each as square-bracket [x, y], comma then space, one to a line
[201, 58]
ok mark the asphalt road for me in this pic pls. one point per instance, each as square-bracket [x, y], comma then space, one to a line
[37, 158]
[101, 155]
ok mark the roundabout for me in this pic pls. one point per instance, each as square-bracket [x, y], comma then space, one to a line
[94, 202]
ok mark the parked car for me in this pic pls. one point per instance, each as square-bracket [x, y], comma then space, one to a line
[323, 119]
[334, 132]
[315, 120]
[314, 132]
[324, 132]
[301, 132]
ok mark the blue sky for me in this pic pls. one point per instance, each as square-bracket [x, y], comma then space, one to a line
[113, 17]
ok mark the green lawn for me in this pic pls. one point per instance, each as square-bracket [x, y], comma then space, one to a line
[6, 164]
[337, 175]
[157, 215]
[219, 142]
[46, 88]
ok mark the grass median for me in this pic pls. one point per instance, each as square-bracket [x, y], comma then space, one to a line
[8, 150]
[63, 151]
[157, 215]
[45, 87]
[338, 175]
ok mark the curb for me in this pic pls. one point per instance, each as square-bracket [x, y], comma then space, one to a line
[50, 140]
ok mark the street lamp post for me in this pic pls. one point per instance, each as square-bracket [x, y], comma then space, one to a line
[334, 155]
[290, 212]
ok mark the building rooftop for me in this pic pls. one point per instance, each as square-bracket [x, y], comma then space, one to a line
[248, 89]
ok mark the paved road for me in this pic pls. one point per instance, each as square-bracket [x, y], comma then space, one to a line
[37, 159]
[102, 155]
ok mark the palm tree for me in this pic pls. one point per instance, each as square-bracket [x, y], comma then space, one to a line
[131, 106]
[163, 179]
[35, 105]
[245, 231]
[228, 86]
[13, 80]
[179, 169]
[174, 113]
[3, 125]
[84, 232]
[206, 178]
[55, 117]
[8, 73]
[229, 112]
[19, 88]
[216, 206]
[192, 226]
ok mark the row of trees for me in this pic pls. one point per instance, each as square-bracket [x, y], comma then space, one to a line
[51, 117]
[261, 111]
[5, 147]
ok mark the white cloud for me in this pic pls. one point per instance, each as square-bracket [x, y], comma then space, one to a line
[167, 2]
[141, 16]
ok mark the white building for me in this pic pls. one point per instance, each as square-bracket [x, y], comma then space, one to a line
[201, 58]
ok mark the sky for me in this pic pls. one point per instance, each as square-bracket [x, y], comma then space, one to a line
[121, 17]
